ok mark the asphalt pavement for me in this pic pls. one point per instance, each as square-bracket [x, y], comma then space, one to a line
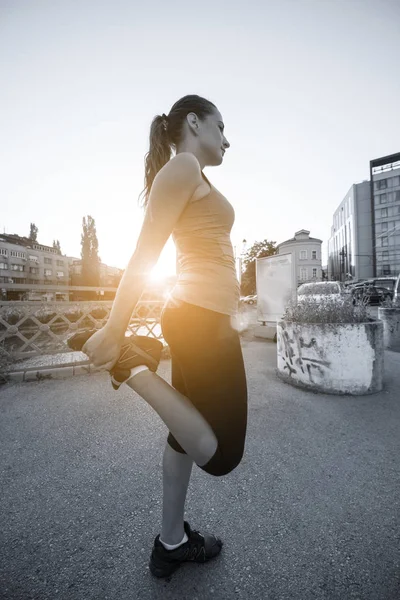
[312, 511]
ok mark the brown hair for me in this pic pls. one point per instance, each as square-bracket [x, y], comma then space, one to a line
[166, 133]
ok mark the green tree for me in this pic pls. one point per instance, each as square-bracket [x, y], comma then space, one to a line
[89, 253]
[56, 244]
[257, 250]
[33, 233]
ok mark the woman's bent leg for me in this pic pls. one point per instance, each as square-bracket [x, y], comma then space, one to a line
[183, 420]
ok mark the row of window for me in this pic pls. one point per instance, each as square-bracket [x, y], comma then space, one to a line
[21, 280]
[32, 258]
[303, 254]
[389, 182]
[34, 270]
[387, 226]
[389, 197]
[391, 211]
[392, 240]
[45, 249]
[304, 273]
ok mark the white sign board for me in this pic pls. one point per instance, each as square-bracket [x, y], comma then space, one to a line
[276, 284]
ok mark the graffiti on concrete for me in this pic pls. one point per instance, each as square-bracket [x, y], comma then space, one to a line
[299, 353]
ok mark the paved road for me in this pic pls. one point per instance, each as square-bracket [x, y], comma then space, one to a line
[312, 512]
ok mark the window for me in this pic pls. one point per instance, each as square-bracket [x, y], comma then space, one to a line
[60, 274]
[3, 265]
[303, 274]
[17, 254]
[3, 252]
[34, 270]
[17, 268]
[303, 254]
[394, 181]
[385, 254]
[384, 226]
[34, 259]
[47, 261]
[385, 241]
[382, 199]
[314, 255]
[381, 184]
[60, 263]
[48, 272]
[314, 273]
[396, 195]
[386, 269]
[384, 212]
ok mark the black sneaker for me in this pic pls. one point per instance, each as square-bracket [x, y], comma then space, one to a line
[199, 548]
[136, 350]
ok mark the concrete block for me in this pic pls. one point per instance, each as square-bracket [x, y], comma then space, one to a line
[60, 372]
[81, 369]
[30, 375]
[16, 377]
[265, 331]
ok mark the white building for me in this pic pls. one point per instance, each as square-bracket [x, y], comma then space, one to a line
[350, 251]
[365, 234]
[306, 255]
[385, 192]
[23, 261]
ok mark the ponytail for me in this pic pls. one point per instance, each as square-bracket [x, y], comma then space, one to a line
[158, 155]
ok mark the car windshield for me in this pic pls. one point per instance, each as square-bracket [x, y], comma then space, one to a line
[385, 283]
[324, 288]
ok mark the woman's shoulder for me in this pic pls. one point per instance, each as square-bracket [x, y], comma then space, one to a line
[182, 167]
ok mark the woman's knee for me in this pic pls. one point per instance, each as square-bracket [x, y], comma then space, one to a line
[221, 464]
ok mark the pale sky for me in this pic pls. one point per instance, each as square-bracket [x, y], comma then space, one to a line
[309, 91]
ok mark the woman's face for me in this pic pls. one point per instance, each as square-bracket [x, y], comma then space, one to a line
[211, 138]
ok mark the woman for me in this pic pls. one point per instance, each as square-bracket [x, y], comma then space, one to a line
[206, 409]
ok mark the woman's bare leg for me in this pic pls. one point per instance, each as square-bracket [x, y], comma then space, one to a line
[183, 420]
[177, 469]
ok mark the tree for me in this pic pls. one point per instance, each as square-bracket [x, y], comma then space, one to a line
[33, 233]
[89, 253]
[56, 244]
[257, 250]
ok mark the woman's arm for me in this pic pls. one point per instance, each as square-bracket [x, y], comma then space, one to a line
[171, 191]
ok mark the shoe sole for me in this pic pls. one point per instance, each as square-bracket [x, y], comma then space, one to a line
[162, 572]
[120, 373]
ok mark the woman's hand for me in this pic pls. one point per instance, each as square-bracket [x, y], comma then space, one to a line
[103, 348]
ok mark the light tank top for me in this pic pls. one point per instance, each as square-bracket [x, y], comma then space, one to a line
[205, 260]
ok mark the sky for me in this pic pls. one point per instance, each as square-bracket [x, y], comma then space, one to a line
[309, 91]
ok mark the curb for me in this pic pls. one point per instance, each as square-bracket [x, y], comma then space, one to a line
[57, 371]
[41, 373]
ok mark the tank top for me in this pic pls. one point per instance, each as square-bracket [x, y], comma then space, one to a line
[205, 260]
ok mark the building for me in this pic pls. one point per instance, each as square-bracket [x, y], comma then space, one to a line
[365, 234]
[24, 261]
[385, 210]
[109, 276]
[350, 251]
[306, 255]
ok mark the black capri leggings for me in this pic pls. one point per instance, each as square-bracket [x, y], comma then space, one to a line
[207, 367]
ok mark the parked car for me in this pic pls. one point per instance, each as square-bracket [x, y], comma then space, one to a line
[385, 281]
[320, 290]
[370, 294]
[396, 294]
[252, 299]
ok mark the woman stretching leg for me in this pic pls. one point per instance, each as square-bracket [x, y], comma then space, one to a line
[205, 410]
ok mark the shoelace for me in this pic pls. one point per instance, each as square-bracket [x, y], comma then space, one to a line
[194, 552]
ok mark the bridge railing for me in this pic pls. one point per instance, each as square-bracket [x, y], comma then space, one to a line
[34, 328]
